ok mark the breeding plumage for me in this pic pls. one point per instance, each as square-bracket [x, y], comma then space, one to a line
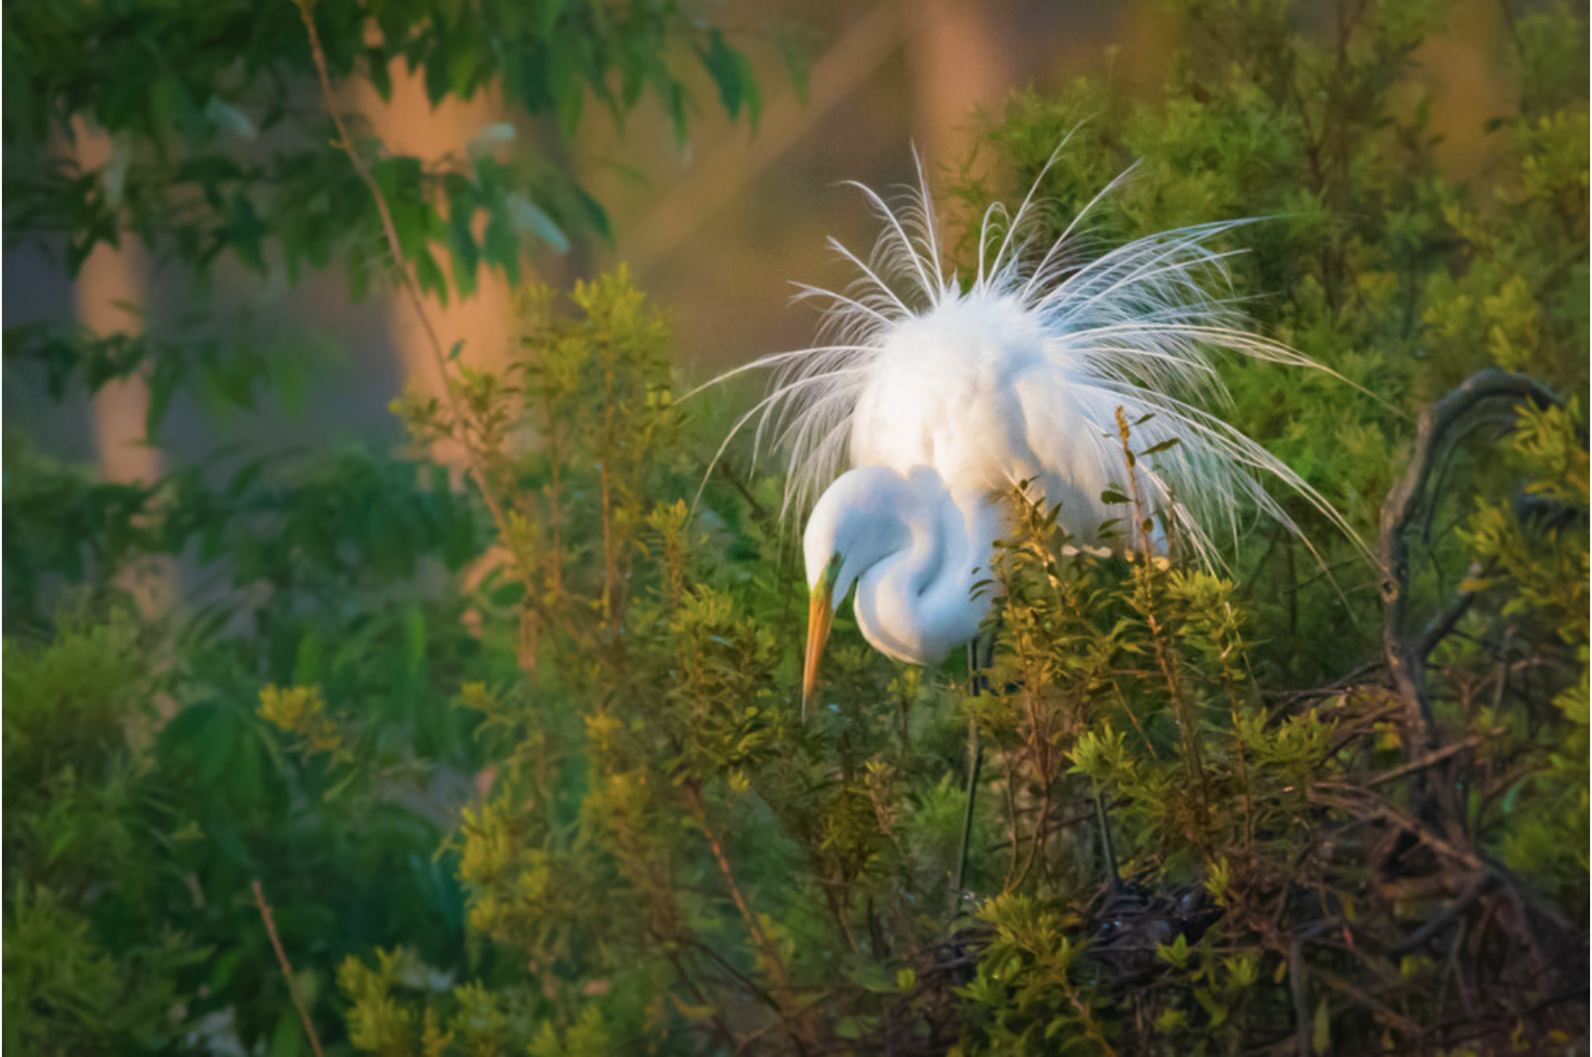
[934, 396]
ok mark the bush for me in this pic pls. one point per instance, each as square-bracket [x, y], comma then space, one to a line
[572, 808]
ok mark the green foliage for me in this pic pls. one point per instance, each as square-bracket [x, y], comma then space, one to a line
[214, 156]
[87, 840]
[186, 90]
[615, 857]
[518, 759]
[1027, 984]
[1534, 571]
[1370, 260]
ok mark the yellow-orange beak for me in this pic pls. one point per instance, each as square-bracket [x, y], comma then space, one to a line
[820, 616]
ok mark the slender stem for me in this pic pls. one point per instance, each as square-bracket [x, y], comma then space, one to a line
[287, 969]
[1166, 659]
[555, 496]
[406, 280]
[723, 1029]
[1010, 768]
[610, 560]
[1040, 836]
[760, 938]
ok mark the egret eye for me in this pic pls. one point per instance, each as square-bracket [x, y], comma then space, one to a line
[826, 583]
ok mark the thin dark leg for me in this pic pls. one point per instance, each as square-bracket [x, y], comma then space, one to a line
[1113, 876]
[981, 649]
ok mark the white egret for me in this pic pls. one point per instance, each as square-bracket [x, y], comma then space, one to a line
[939, 395]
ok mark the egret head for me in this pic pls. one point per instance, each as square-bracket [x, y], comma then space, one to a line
[863, 517]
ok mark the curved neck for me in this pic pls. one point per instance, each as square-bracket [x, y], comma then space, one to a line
[916, 603]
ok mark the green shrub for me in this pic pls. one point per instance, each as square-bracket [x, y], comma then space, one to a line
[1301, 804]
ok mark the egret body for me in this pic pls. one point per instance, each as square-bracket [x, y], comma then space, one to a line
[932, 396]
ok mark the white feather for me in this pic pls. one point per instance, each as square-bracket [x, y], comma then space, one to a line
[1019, 374]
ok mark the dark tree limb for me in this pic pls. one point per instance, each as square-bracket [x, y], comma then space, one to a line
[1477, 887]
[1409, 506]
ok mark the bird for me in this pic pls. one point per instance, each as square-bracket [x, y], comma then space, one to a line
[928, 396]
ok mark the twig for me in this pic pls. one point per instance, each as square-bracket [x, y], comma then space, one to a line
[406, 280]
[287, 969]
[796, 1027]
[1337, 687]
[1441, 626]
[1436, 757]
[1371, 806]
[758, 510]
[1477, 887]
[716, 1019]
[1411, 1030]
[735, 975]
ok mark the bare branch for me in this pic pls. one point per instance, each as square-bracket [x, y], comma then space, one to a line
[287, 968]
[1409, 505]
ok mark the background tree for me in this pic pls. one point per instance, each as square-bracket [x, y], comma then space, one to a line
[153, 792]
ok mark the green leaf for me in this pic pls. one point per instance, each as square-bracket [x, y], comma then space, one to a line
[547, 12]
[376, 70]
[596, 215]
[229, 118]
[749, 89]
[721, 62]
[309, 662]
[162, 384]
[527, 217]
[795, 56]
[691, 1011]
[1214, 1008]
[570, 105]
[1321, 1031]
[462, 199]
[872, 976]
[290, 379]
[501, 247]
[1175, 953]
[676, 104]
[414, 640]
[564, 87]
[428, 273]
[289, 1031]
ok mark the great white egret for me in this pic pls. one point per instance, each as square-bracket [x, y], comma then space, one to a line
[934, 396]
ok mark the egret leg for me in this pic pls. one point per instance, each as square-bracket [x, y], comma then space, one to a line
[1113, 876]
[980, 653]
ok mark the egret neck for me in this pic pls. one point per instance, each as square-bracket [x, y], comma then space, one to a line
[914, 552]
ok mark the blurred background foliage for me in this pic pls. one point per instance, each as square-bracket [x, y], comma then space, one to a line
[502, 720]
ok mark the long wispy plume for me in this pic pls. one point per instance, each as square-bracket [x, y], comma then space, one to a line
[1138, 326]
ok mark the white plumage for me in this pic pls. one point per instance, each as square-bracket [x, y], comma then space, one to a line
[934, 396]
